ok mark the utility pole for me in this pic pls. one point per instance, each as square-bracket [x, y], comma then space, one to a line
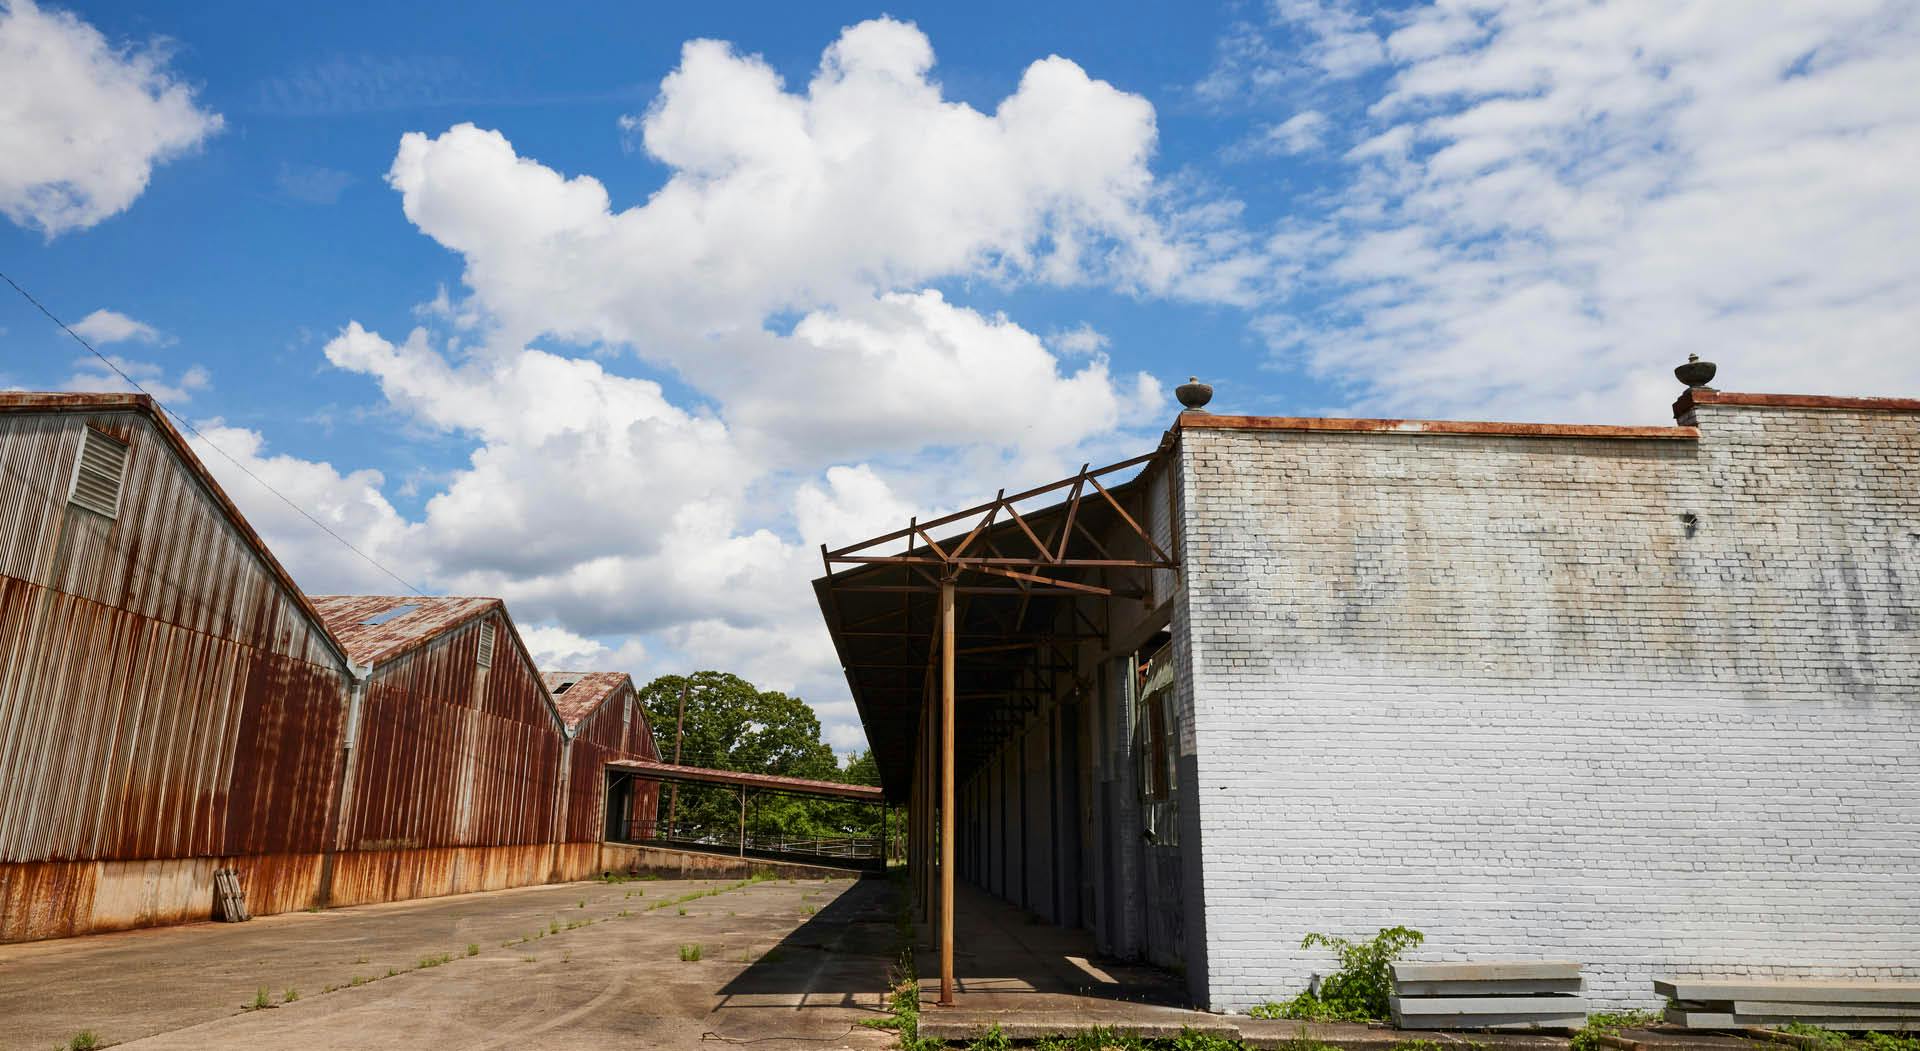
[679, 728]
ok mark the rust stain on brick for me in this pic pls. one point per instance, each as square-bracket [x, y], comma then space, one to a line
[1705, 396]
[1210, 421]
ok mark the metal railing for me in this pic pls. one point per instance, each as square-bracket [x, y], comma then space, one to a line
[839, 848]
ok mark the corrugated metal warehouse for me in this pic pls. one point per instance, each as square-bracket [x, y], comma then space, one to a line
[605, 721]
[456, 778]
[171, 703]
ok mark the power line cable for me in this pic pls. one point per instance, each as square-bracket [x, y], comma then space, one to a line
[184, 422]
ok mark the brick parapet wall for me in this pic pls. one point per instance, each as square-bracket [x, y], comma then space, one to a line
[1651, 705]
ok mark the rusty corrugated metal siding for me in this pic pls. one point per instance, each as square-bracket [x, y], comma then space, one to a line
[458, 771]
[610, 723]
[170, 703]
[166, 701]
[171, 554]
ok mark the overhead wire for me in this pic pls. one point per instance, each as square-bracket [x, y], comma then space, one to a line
[208, 442]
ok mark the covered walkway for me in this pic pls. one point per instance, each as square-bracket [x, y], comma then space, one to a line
[849, 851]
[959, 637]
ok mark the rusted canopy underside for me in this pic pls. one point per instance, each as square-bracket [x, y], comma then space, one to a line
[1031, 571]
[700, 775]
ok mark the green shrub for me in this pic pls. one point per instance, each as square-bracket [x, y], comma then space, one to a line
[84, 1040]
[1358, 991]
[991, 1040]
[690, 953]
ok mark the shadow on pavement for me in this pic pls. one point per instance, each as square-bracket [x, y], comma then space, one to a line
[839, 957]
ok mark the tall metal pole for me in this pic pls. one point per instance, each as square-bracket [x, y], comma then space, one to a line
[946, 791]
[679, 727]
[743, 821]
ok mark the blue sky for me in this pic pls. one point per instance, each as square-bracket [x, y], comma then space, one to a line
[567, 306]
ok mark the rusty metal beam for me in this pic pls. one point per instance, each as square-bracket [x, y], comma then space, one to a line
[998, 501]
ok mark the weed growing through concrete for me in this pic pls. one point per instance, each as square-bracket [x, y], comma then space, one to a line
[581, 904]
[359, 980]
[1813, 1033]
[526, 959]
[903, 1006]
[690, 953]
[391, 972]
[435, 961]
[1609, 1023]
[473, 949]
[553, 927]
[84, 1040]
[260, 999]
[683, 910]
[290, 995]
[1107, 1040]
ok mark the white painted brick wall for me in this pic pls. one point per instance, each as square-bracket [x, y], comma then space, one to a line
[1488, 687]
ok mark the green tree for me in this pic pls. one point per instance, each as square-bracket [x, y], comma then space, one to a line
[733, 725]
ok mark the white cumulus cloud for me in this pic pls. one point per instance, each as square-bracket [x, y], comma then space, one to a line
[110, 326]
[671, 404]
[1556, 203]
[83, 121]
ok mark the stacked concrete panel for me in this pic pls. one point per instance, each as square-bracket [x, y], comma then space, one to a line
[1845, 1006]
[1489, 994]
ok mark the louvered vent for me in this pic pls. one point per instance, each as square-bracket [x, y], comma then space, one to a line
[98, 476]
[485, 657]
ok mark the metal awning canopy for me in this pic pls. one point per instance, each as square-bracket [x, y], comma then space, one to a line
[698, 775]
[952, 640]
[1019, 564]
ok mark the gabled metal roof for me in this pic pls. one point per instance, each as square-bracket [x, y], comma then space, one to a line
[589, 691]
[39, 402]
[348, 616]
